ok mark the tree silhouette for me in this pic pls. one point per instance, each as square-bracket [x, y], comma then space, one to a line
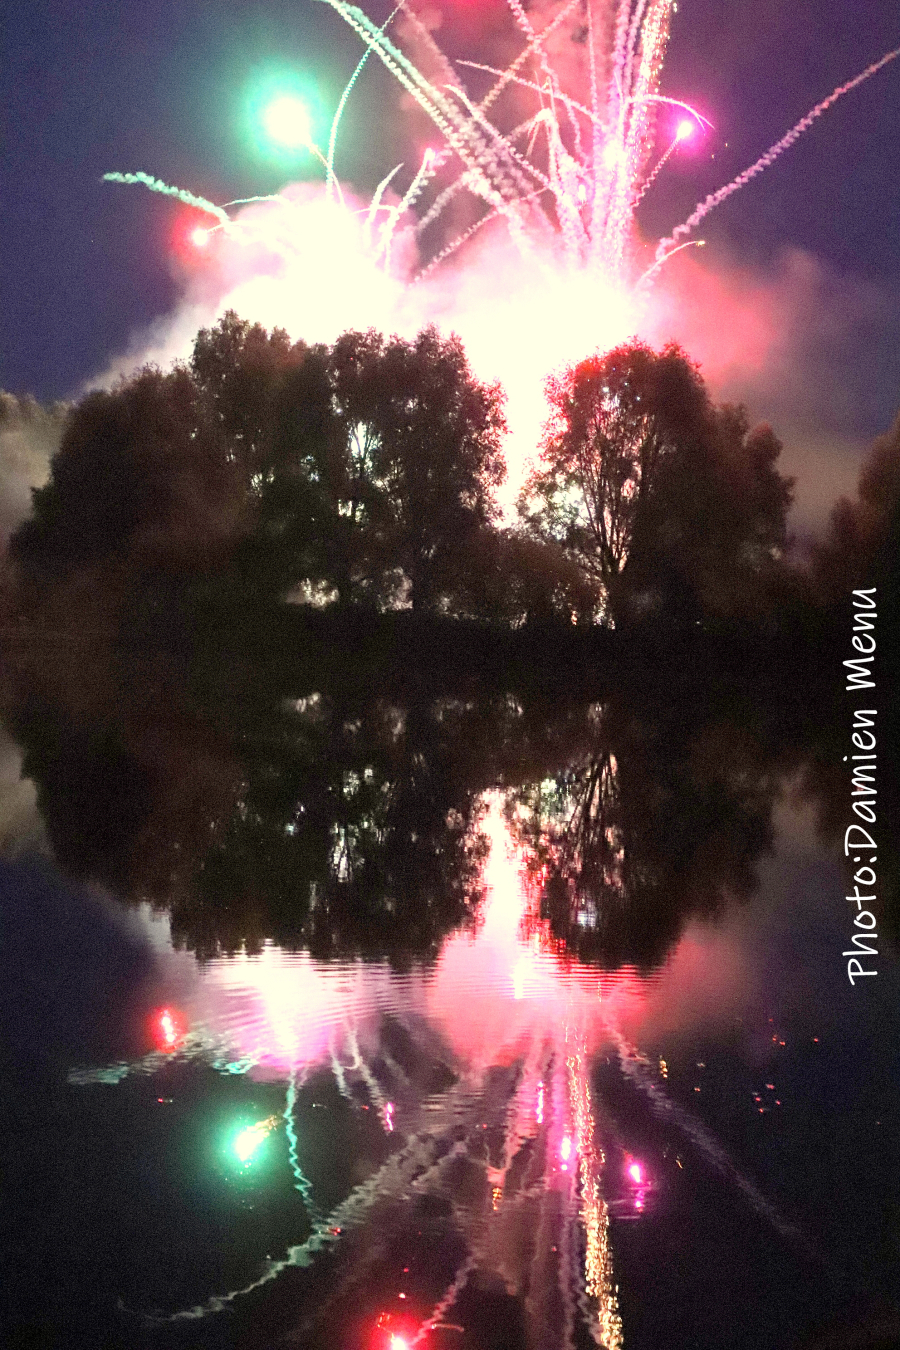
[661, 814]
[364, 471]
[860, 545]
[426, 436]
[673, 506]
[140, 471]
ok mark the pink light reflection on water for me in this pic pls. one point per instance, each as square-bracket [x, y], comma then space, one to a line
[489, 994]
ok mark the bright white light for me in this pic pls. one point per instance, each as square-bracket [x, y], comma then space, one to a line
[685, 129]
[286, 121]
[248, 1141]
[200, 237]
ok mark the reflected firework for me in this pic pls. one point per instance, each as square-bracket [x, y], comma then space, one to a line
[247, 1142]
[487, 1135]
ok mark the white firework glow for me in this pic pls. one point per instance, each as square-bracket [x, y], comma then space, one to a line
[516, 230]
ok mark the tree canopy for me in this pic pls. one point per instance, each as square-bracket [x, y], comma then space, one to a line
[672, 504]
[862, 542]
[366, 472]
[368, 467]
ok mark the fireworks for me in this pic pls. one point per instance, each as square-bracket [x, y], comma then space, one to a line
[551, 150]
[557, 146]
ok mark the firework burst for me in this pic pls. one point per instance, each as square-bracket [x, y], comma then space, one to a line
[559, 145]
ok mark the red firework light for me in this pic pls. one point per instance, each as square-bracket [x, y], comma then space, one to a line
[168, 1029]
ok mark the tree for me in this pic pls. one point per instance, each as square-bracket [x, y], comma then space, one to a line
[661, 813]
[385, 455]
[860, 545]
[365, 470]
[670, 504]
[424, 440]
[139, 470]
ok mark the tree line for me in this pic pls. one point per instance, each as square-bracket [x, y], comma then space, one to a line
[366, 473]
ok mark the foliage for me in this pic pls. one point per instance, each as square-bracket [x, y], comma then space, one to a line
[861, 544]
[672, 505]
[141, 471]
[365, 470]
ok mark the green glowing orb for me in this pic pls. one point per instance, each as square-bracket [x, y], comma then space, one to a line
[247, 1141]
[282, 116]
[286, 120]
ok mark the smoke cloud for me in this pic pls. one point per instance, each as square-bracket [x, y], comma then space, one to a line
[29, 436]
[778, 338]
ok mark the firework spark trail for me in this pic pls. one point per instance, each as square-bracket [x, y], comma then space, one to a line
[715, 198]
[418, 1160]
[477, 1241]
[621, 145]
[181, 194]
[623, 18]
[530, 170]
[445, 68]
[634, 32]
[260, 197]
[523, 186]
[425, 173]
[493, 176]
[602, 128]
[431, 162]
[567, 1249]
[533, 46]
[487, 168]
[441, 202]
[331, 181]
[657, 170]
[463, 238]
[638, 79]
[427, 1179]
[527, 28]
[655, 266]
[375, 204]
[196, 1044]
[551, 80]
[596, 125]
[610, 177]
[412, 1168]
[454, 1289]
[301, 1182]
[551, 1206]
[709, 1147]
[376, 1249]
[538, 89]
[337, 1069]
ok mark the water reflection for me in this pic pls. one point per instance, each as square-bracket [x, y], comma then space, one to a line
[460, 1125]
[479, 1075]
[346, 820]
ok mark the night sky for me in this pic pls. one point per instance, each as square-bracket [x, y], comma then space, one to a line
[163, 87]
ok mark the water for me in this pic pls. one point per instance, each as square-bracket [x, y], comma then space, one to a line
[549, 1119]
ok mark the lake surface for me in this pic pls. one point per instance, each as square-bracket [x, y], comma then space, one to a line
[516, 1130]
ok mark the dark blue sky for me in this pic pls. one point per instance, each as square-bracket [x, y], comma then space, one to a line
[160, 87]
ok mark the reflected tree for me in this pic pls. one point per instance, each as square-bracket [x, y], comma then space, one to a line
[356, 834]
[663, 815]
